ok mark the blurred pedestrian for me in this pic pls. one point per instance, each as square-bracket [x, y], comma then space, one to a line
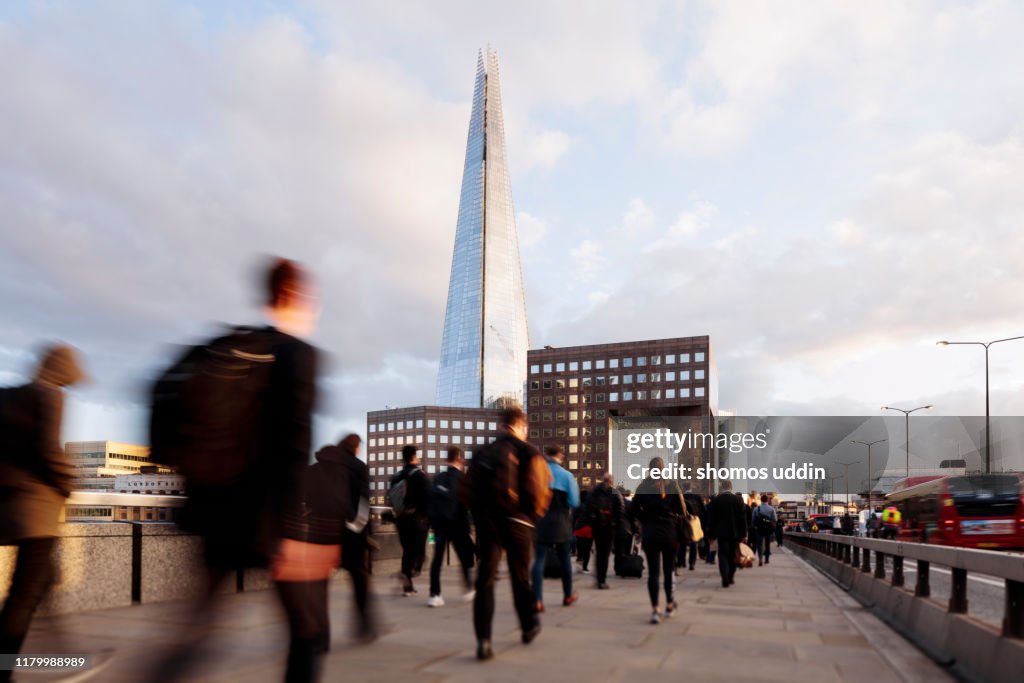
[764, 517]
[507, 488]
[408, 497]
[659, 507]
[235, 416]
[695, 507]
[450, 521]
[727, 524]
[554, 530]
[583, 534]
[35, 479]
[604, 513]
[355, 543]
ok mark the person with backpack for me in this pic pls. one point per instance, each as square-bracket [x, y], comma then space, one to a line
[235, 415]
[507, 488]
[450, 520]
[355, 542]
[659, 507]
[695, 507]
[407, 496]
[727, 526]
[554, 530]
[35, 479]
[583, 534]
[604, 513]
[764, 521]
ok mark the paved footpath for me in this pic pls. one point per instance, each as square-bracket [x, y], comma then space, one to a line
[781, 622]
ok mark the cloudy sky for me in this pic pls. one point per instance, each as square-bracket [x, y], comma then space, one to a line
[824, 188]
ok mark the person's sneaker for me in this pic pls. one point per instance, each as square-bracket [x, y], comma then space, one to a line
[603, 586]
[670, 608]
[468, 596]
[408, 592]
[656, 617]
[584, 570]
[571, 599]
[532, 633]
[759, 562]
[767, 559]
[435, 601]
[692, 567]
[484, 651]
[539, 607]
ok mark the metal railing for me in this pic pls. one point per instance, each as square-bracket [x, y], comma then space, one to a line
[857, 552]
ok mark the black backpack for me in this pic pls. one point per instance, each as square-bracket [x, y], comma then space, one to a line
[764, 525]
[18, 428]
[602, 507]
[444, 503]
[209, 407]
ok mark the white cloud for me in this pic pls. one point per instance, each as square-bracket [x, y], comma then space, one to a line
[588, 259]
[638, 216]
[544, 148]
[532, 229]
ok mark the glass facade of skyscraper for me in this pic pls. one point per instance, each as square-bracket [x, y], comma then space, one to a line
[485, 340]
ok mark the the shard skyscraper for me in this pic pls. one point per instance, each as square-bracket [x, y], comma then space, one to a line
[483, 350]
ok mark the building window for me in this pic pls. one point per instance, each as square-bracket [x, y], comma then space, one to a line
[547, 433]
[600, 398]
[391, 426]
[559, 384]
[547, 417]
[670, 393]
[492, 426]
[599, 364]
[670, 358]
[641, 378]
[560, 432]
[534, 417]
[684, 392]
[599, 430]
[627, 362]
[573, 415]
[560, 400]
[419, 424]
[600, 414]
[655, 394]
[547, 367]
[574, 366]
[613, 362]
[641, 361]
[655, 360]
[641, 395]
[547, 384]
[613, 397]
[534, 369]
[627, 379]
[684, 375]
[373, 428]
[456, 424]
[655, 376]
[432, 438]
[698, 374]
[574, 382]
[534, 401]
[684, 358]
[457, 439]
[586, 365]
[431, 424]
[698, 392]
[480, 426]
[574, 432]
[559, 367]
[627, 396]
[698, 357]
[600, 447]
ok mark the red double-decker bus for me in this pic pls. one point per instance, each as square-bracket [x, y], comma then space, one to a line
[970, 511]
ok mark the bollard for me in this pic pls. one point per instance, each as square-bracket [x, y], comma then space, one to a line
[923, 588]
[856, 555]
[879, 564]
[1013, 621]
[897, 570]
[958, 592]
[865, 565]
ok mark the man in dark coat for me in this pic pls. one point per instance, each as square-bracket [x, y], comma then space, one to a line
[450, 521]
[605, 513]
[35, 479]
[413, 523]
[241, 521]
[355, 542]
[727, 524]
[695, 507]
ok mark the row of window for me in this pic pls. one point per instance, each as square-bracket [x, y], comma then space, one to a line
[642, 395]
[627, 362]
[613, 380]
[433, 424]
[430, 454]
[430, 438]
[573, 415]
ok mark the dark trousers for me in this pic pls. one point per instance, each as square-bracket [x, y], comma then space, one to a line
[764, 545]
[561, 551]
[517, 540]
[33, 573]
[412, 534]
[305, 603]
[661, 558]
[778, 537]
[584, 546]
[602, 547]
[355, 560]
[463, 544]
[727, 558]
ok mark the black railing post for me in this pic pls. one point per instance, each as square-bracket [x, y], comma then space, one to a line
[1013, 620]
[856, 555]
[865, 565]
[879, 564]
[958, 592]
[897, 570]
[923, 589]
[136, 562]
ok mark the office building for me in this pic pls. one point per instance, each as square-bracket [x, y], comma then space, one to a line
[485, 339]
[432, 429]
[575, 393]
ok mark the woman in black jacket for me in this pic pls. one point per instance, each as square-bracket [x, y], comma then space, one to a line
[658, 505]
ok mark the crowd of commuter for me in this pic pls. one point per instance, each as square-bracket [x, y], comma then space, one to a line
[234, 415]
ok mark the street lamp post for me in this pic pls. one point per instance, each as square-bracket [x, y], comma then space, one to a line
[906, 414]
[869, 445]
[988, 425]
[846, 476]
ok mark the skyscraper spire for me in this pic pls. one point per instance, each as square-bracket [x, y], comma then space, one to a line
[483, 349]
